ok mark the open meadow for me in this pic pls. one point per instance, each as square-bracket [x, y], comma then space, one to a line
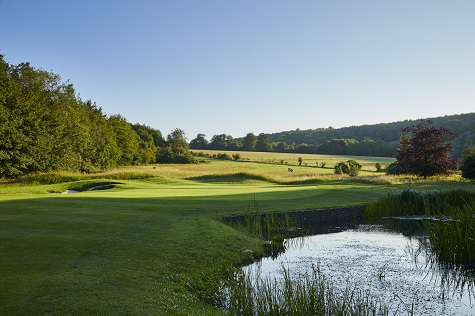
[133, 247]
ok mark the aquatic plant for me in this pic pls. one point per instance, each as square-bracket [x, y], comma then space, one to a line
[249, 294]
[419, 202]
[452, 228]
[273, 227]
[453, 235]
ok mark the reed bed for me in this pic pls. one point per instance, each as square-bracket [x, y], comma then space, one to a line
[273, 227]
[308, 294]
[251, 294]
[451, 228]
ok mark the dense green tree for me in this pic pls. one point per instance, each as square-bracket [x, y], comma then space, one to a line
[126, 139]
[177, 141]
[467, 162]
[218, 142]
[375, 140]
[149, 143]
[10, 165]
[394, 169]
[305, 149]
[101, 152]
[232, 144]
[176, 149]
[249, 142]
[262, 143]
[350, 167]
[200, 142]
[44, 126]
[338, 146]
[39, 109]
[423, 151]
[282, 147]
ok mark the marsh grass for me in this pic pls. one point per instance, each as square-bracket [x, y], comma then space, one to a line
[250, 294]
[451, 229]
[453, 235]
[273, 227]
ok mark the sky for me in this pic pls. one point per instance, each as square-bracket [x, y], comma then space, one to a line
[262, 66]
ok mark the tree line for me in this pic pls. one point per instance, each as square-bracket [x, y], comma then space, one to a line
[45, 126]
[367, 140]
[263, 143]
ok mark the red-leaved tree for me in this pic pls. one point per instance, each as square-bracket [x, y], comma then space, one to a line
[423, 151]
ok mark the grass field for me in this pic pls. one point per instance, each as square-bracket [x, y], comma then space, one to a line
[130, 250]
[308, 160]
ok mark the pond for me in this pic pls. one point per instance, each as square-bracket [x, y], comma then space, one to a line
[388, 258]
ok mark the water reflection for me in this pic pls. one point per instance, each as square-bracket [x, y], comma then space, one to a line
[389, 258]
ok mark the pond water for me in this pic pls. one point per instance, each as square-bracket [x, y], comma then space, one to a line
[388, 258]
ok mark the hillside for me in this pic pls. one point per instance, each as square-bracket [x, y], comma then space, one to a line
[377, 139]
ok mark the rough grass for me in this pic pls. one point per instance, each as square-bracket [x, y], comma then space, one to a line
[309, 160]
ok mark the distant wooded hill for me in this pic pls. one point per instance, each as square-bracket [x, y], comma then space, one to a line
[370, 140]
[380, 140]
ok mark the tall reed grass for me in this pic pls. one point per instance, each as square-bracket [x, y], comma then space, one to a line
[451, 229]
[308, 294]
[273, 227]
[251, 294]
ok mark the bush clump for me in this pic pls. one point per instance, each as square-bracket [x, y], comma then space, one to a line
[350, 167]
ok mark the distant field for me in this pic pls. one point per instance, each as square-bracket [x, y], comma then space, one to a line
[309, 160]
[252, 167]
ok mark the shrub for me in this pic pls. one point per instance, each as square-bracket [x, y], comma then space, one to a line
[236, 156]
[350, 167]
[394, 169]
[224, 156]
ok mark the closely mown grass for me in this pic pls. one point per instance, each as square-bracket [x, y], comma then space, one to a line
[451, 229]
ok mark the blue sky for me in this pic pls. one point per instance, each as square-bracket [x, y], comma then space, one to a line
[239, 66]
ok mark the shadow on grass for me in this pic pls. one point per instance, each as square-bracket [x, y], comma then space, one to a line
[240, 177]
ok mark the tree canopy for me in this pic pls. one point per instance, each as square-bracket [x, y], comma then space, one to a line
[45, 126]
[176, 149]
[423, 151]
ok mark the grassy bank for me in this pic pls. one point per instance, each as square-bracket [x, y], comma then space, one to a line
[130, 249]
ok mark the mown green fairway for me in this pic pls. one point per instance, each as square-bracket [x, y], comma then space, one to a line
[131, 249]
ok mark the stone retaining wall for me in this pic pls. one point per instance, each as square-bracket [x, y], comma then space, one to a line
[319, 220]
